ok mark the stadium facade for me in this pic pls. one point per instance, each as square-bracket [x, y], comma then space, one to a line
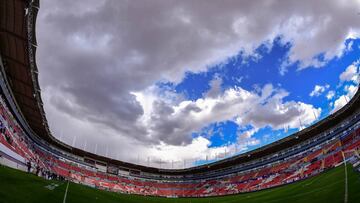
[25, 136]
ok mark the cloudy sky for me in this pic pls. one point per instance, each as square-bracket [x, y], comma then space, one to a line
[182, 83]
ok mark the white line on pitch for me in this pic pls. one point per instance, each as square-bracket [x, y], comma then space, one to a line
[346, 184]
[67, 186]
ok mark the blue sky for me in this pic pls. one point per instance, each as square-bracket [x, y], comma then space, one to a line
[251, 73]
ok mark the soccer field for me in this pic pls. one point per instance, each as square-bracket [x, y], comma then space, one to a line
[17, 186]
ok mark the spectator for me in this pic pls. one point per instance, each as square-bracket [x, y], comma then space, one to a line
[37, 170]
[8, 138]
[28, 164]
[2, 127]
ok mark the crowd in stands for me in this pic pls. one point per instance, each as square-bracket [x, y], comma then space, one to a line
[297, 167]
[14, 138]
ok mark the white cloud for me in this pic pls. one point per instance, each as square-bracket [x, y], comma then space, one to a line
[215, 87]
[266, 108]
[351, 73]
[245, 139]
[344, 99]
[198, 149]
[330, 94]
[340, 102]
[318, 90]
[351, 89]
[349, 46]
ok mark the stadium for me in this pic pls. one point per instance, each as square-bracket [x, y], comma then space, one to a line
[319, 163]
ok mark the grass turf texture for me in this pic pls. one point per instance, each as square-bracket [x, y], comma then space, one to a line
[329, 187]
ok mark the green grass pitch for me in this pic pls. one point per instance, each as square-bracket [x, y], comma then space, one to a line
[329, 187]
